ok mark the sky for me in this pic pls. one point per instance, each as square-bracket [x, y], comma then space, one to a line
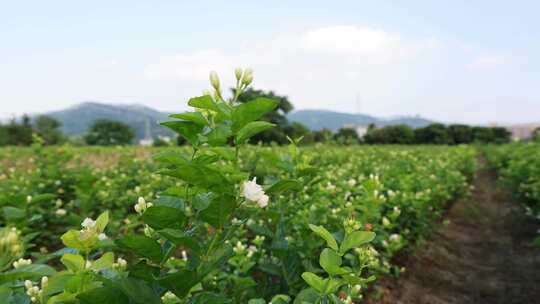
[453, 61]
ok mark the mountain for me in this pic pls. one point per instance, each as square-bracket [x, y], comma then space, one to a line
[77, 119]
[143, 120]
[319, 119]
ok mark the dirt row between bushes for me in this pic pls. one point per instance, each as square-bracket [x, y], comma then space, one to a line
[482, 254]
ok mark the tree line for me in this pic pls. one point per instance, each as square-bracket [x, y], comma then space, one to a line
[108, 132]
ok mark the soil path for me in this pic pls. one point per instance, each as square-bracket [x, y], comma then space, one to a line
[483, 255]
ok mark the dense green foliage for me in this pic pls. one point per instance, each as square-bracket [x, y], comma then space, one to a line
[109, 133]
[396, 192]
[16, 133]
[48, 129]
[519, 168]
[438, 134]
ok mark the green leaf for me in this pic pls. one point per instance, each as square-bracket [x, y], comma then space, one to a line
[28, 272]
[201, 176]
[161, 217]
[284, 185]
[215, 260]
[332, 285]
[280, 299]
[203, 102]
[219, 135]
[170, 201]
[314, 281]
[171, 157]
[218, 212]
[187, 129]
[355, 240]
[330, 261]
[180, 282]
[102, 221]
[251, 111]
[195, 117]
[139, 291]
[181, 238]
[251, 129]
[327, 236]
[142, 246]
[45, 197]
[73, 262]
[307, 296]
[104, 262]
[72, 239]
[143, 271]
[257, 301]
[14, 213]
[101, 295]
[209, 298]
[57, 283]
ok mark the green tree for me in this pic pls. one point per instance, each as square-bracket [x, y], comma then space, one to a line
[346, 136]
[536, 134]
[501, 135]
[277, 116]
[109, 133]
[460, 134]
[48, 129]
[433, 134]
[17, 133]
[324, 135]
[397, 134]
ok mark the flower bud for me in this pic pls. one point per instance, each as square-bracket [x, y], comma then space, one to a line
[248, 76]
[214, 80]
[238, 73]
[44, 282]
[28, 284]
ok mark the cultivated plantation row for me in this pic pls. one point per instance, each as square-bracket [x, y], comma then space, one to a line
[394, 192]
[519, 168]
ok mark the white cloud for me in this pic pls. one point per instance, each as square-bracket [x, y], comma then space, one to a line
[348, 40]
[487, 63]
[316, 68]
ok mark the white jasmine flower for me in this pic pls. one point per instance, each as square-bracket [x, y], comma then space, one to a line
[102, 236]
[88, 223]
[60, 212]
[255, 193]
[394, 237]
[239, 248]
[263, 202]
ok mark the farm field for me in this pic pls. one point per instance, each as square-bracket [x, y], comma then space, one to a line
[392, 193]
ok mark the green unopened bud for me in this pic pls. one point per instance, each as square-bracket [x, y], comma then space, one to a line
[214, 80]
[238, 73]
[248, 76]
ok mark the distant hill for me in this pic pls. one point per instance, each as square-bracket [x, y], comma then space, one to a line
[77, 120]
[319, 119]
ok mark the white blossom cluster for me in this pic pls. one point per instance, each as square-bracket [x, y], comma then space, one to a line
[33, 291]
[255, 193]
[142, 205]
[21, 262]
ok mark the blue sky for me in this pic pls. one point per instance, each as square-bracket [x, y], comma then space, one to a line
[463, 61]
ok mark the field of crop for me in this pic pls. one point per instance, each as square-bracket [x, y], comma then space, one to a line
[394, 192]
[519, 167]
